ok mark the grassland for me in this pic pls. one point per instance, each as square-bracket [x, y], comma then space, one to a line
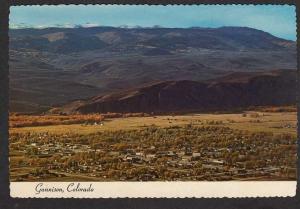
[275, 122]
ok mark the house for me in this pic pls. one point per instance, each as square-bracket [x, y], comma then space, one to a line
[185, 164]
[196, 156]
[150, 157]
[242, 171]
[172, 163]
[146, 177]
[133, 159]
[139, 154]
[113, 153]
[186, 158]
[171, 154]
[216, 162]
[129, 151]
[240, 164]
[162, 153]
[212, 167]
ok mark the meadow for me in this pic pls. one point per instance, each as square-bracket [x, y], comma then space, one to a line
[275, 122]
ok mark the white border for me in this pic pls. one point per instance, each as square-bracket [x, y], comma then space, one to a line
[159, 189]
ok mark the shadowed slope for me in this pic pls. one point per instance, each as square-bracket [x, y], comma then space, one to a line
[253, 89]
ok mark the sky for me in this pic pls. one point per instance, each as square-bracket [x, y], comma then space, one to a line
[276, 19]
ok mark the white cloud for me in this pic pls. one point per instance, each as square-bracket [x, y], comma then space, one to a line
[90, 25]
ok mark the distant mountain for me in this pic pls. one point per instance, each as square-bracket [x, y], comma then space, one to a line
[142, 40]
[54, 66]
[234, 91]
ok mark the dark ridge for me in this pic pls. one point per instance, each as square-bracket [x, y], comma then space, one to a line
[258, 89]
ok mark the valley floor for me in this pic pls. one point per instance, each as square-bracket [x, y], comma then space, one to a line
[251, 145]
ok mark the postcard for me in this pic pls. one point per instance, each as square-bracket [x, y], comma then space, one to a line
[111, 101]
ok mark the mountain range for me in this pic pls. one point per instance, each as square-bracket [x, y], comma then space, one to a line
[103, 65]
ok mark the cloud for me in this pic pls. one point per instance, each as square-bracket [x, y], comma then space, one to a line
[63, 25]
[90, 25]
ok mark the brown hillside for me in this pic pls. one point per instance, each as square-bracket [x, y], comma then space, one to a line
[257, 89]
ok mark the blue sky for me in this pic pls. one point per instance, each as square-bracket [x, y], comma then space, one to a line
[275, 19]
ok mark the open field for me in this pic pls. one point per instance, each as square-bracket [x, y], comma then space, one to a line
[215, 147]
[275, 122]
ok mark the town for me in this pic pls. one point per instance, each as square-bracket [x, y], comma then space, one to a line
[154, 154]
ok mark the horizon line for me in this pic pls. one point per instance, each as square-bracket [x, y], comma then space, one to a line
[73, 26]
[86, 26]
